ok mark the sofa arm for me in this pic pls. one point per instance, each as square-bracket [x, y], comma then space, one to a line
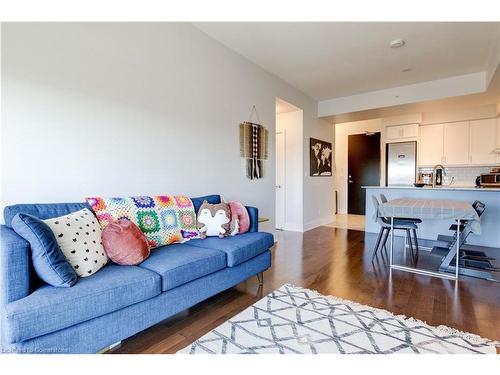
[14, 266]
[253, 212]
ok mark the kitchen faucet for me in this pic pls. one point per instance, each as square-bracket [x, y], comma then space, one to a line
[436, 167]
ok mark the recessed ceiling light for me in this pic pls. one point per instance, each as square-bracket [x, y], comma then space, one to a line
[396, 43]
[407, 70]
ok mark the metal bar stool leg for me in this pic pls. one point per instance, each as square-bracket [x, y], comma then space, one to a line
[408, 236]
[385, 238]
[375, 250]
[416, 244]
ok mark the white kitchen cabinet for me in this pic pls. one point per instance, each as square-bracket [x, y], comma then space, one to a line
[483, 141]
[392, 133]
[430, 145]
[463, 143]
[456, 143]
[401, 132]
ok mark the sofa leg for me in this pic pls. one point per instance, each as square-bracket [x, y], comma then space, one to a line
[260, 277]
[108, 348]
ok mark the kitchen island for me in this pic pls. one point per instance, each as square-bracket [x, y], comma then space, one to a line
[429, 230]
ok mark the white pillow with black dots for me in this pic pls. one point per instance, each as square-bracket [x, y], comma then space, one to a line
[79, 237]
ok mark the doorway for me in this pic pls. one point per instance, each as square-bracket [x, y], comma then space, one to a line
[289, 166]
[363, 169]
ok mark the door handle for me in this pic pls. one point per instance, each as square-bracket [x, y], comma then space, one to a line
[278, 186]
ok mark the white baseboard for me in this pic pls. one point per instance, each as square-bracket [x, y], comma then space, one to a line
[318, 222]
[294, 227]
[297, 227]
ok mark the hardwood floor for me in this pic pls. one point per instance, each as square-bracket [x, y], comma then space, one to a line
[336, 262]
[348, 221]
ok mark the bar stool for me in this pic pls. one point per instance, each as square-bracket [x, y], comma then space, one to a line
[383, 199]
[399, 224]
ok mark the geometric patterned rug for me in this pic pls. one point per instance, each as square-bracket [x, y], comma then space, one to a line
[297, 320]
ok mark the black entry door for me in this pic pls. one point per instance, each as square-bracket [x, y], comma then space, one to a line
[363, 168]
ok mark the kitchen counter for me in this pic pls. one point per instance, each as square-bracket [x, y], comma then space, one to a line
[429, 229]
[447, 187]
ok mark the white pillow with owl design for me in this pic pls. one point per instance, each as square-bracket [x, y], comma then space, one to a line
[214, 220]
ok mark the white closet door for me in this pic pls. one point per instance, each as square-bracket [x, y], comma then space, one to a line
[280, 180]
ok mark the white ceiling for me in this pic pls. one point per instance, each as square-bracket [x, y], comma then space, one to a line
[331, 60]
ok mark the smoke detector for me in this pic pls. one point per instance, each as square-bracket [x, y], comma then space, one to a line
[397, 43]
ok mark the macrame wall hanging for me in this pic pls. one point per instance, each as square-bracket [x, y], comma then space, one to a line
[253, 145]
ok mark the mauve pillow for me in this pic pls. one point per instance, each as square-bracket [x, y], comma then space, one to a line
[240, 211]
[124, 243]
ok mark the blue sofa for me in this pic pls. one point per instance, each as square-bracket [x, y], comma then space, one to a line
[118, 301]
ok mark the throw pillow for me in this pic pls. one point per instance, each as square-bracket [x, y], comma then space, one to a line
[239, 211]
[215, 220]
[124, 243]
[49, 262]
[164, 219]
[79, 237]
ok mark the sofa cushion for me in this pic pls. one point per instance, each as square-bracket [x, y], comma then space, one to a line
[198, 201]
[181, 263]
[41, 210]
[239, 248]
[48, 210]
[49, 309]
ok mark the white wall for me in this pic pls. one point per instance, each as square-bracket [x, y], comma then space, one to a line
[115, 109]
[342, 131]
[319, 192]
[290, 123]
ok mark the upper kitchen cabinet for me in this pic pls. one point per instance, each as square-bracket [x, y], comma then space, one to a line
[483, 141]
[456, 143]
[401, 133]
[430, 145]
[461, 143]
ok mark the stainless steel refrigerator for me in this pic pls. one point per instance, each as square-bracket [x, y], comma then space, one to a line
[401, 163]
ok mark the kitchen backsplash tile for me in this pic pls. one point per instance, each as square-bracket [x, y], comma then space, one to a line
[463, 176]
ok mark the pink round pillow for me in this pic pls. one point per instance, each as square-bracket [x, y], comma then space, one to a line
[124, 243]
[240, 211]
